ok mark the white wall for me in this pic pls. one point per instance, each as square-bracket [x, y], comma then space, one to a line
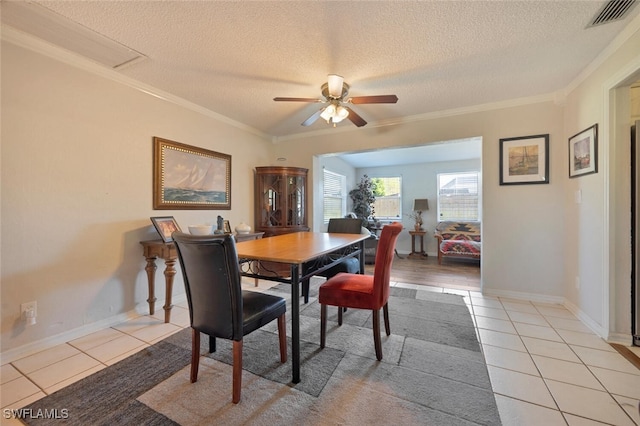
[523, 248]
[419, 181]
[536, 238]
[597, 232]
[77, 179]
[77, 192]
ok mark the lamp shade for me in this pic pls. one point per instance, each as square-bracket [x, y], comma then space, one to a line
[420, 204]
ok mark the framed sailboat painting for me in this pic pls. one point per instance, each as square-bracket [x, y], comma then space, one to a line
[524, 160]
[186, 177]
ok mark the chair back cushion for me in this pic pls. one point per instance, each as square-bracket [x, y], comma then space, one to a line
[345, 226]
[212, 282]
[384, 258]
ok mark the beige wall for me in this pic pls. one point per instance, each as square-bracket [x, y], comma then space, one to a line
[77, 191]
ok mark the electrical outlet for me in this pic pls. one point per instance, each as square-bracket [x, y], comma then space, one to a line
[29, 312]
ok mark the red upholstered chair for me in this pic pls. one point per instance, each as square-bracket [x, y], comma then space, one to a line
[363, 291]
[218, 306]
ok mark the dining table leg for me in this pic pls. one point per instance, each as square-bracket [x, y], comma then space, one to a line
[295, 322]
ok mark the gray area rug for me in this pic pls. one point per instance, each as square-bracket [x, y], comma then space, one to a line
[432, 373]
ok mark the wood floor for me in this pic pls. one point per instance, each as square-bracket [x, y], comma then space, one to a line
[463, 274]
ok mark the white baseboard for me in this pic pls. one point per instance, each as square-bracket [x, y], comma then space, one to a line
[620, 338]
[58, 339]
[593, 326]
[517, 295]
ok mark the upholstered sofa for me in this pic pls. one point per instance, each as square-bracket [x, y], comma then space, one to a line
[460, 239]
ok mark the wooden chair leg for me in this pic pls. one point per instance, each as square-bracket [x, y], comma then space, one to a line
[339, 315]
[237, 370]
[376, 334]
[282, 335]
[195, 354]
[323, 325]
[212, 344]
[385, 311]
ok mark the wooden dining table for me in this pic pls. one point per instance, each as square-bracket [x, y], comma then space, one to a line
[307, 254]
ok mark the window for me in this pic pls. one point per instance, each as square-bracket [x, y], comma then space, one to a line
[334, 195]
[388, 197]
[458, 196]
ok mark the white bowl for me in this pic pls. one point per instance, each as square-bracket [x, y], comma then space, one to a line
[200, 229]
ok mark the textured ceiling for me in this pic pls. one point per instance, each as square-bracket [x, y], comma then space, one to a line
[234, 57]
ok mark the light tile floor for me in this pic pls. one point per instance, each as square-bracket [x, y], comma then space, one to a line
[546, 367]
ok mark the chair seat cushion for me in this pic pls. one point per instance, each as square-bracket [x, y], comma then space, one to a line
[349, 291]
[260, 309]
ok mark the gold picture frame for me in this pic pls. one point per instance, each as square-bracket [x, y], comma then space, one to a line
[188, 178]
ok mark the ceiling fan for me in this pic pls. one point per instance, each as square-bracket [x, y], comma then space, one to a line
[335, 92]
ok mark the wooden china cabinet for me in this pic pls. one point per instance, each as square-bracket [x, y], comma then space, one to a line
[281, 200]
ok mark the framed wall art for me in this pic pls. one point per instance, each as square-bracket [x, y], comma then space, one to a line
[165, 225]
[524, 160]
[583, 152]
[226, 227]
[186, 177]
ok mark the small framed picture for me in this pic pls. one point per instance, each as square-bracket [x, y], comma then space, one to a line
[226, 227]
[583, 152]
[165, 225]
[524, 160]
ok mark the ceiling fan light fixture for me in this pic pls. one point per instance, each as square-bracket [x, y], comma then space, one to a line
[328, 112]
[334, 113]
[335, 92]
[341, 114]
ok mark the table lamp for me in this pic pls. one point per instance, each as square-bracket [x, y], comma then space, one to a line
[420, 205]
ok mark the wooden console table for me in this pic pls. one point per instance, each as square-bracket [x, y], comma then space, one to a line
[154, 249]
[159, 249]
[414, 236]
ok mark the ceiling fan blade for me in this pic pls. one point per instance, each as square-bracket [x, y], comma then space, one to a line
[297, 99]
[335, 85]
[309, 121]
[375, 99]
[355, 118]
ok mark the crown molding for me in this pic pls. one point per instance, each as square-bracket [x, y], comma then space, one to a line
[556, 97]
[19, 38]
[617, 42]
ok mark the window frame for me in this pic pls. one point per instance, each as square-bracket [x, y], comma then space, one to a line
[477, 194]
[399, 198]
[341, 195]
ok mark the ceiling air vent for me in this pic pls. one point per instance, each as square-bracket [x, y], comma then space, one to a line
[38, 21]
[613, 10]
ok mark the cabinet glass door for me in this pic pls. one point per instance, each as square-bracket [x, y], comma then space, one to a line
[271, 201]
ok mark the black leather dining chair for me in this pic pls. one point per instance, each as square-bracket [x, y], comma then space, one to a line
[218, 307]
[344, 226]
[350, 264]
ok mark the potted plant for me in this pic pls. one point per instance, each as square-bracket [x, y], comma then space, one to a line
[363, 198]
